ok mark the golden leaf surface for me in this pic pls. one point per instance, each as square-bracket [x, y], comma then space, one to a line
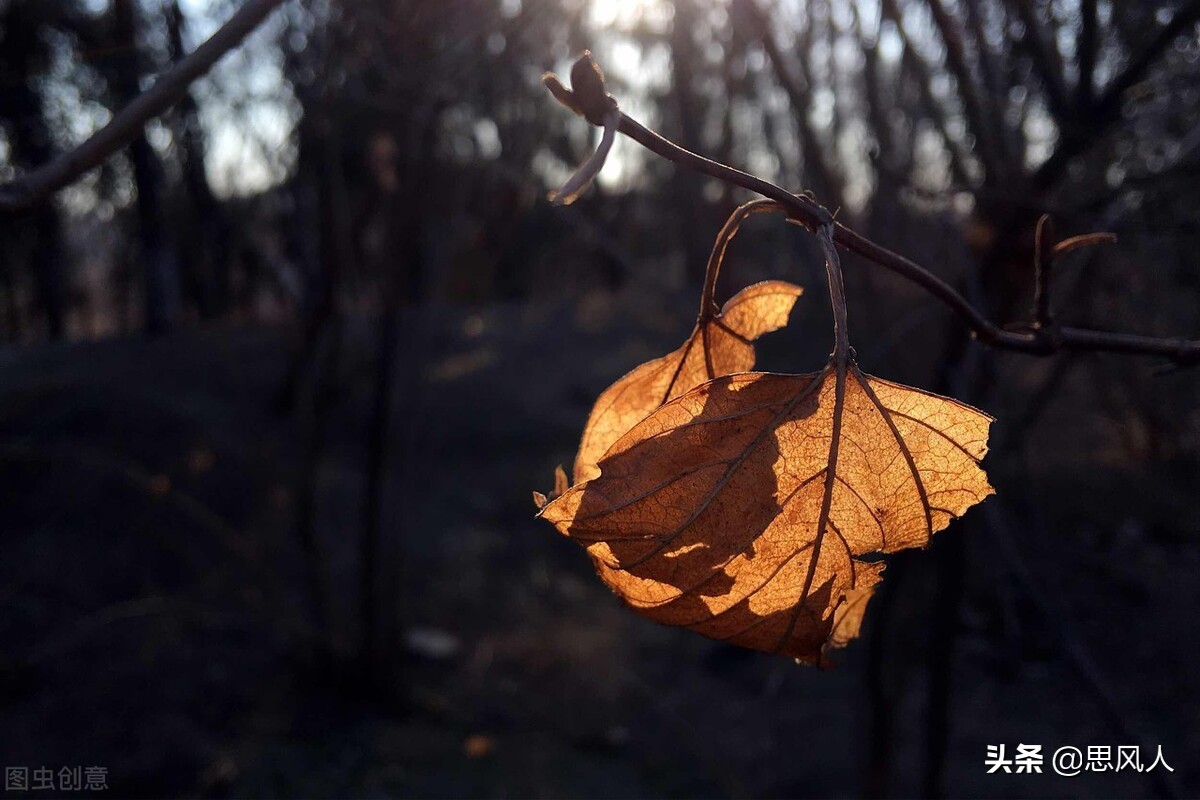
[719, 345]
[752, 508]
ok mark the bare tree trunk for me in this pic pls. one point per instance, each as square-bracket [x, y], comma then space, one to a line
[690, 107]
[200, 249]
[36, 240]
[397, 372]
[161, 299]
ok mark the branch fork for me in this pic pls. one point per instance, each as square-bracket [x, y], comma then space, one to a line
[589, 97]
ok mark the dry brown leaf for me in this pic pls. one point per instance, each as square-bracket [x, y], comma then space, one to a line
[560, 486]
[752, 508]
[719, 345]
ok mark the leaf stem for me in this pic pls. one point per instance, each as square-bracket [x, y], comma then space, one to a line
[842, 352]
[839, 359]
[708, 305]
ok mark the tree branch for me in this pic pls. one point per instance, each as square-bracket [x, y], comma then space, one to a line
[1046, 62]
[912, 62]
[798, 91]
[968, 90]
[1107, 108]
[35, 187]
[1089, 44]
[992, 89]
[592, 101]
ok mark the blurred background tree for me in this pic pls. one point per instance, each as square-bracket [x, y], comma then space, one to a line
[430, 117]
[363, 184]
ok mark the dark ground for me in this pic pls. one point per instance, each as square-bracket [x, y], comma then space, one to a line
[155, 618]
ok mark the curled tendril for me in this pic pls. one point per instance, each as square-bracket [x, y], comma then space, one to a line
[582, 178]
[589, 98]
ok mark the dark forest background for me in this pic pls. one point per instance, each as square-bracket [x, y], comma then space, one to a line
[277, 379]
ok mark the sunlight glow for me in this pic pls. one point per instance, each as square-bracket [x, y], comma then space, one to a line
[626, 15]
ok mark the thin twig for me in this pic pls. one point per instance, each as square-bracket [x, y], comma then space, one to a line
[1089, 45]
[1084, 240]
[595, 103]
[1043, 267]
[974, 109]
[798, 92]
[912, 62]
[1046, 61]
[1106, 109]
[36, 186]
[708, 306]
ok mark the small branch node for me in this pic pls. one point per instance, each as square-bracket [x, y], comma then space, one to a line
[590, 90]
[588, 95]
